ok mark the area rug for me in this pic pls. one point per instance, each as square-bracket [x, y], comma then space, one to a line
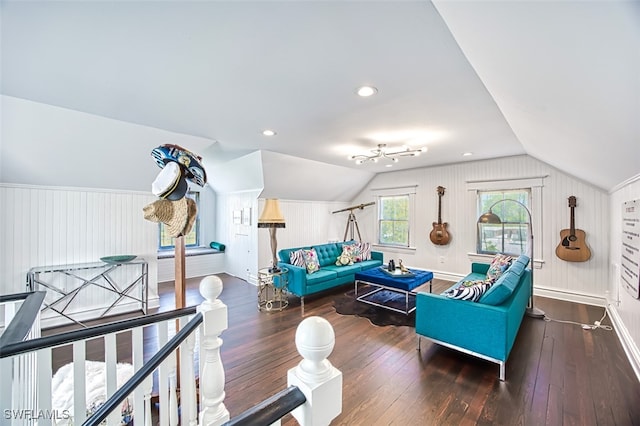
[346, 304]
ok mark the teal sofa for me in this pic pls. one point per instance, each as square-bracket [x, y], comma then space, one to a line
[329, 275]
[486, 328]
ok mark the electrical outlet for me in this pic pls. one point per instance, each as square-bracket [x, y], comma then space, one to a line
[441, 259]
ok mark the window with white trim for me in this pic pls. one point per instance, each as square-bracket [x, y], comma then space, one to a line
[395, 217]
[393, 220]
[512, 235]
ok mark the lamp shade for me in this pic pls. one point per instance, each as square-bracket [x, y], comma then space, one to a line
[489, 217]
[271, 216]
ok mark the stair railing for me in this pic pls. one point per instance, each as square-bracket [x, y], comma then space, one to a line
[21, 321]
[314, 396]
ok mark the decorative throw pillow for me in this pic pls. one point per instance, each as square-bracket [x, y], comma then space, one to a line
[365, 250]
[353, 251]
[297, 258]
[311, 260]
[499, 264]
[469, 290]
[344, 260]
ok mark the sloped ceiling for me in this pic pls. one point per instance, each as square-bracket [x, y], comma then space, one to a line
[566, 76]
[556, 80]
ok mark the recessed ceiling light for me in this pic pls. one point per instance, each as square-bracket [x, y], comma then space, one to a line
[467, 154]
[269, 132]
[365, 91]
[389, 165]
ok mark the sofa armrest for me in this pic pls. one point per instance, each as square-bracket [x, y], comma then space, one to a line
[480, 268]
[473, 326]
[297, 277]
[377, 255]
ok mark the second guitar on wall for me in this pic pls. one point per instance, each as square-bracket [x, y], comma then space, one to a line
[439, 234]
[573, 245]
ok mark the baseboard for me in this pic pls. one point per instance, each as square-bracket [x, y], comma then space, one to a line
[629, 346]
[569, 296]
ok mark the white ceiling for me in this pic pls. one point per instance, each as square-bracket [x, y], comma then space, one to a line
[563, 76]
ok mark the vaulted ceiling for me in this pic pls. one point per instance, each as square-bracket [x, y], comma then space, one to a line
[557, 80]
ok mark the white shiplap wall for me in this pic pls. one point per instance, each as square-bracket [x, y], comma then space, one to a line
[584, 281]
[625, 308]
[44, 226]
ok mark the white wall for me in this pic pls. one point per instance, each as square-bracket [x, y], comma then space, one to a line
[307, 223]
[45, 226]
[584, 281]
[625, 308]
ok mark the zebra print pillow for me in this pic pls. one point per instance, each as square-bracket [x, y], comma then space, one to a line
[469, 290]
[297, 258]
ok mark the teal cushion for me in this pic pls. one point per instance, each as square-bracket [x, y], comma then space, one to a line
[344, 270]
[328, 253]
[499, 292]
[320, 276]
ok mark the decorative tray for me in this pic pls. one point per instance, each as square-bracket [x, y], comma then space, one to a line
[397, 272]
[118, 259]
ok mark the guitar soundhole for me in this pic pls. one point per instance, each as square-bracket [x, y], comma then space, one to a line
[573, 238]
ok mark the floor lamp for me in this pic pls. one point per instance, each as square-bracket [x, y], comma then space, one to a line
[272, 218]
[494, 219]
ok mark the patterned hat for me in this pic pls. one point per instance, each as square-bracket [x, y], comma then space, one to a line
[192, 163]
[179, 216]
[170, 182]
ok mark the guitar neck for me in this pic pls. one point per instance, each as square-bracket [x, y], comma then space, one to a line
[439, 209]
[573, 222]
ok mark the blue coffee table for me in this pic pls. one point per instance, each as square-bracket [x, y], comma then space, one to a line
[381, 280]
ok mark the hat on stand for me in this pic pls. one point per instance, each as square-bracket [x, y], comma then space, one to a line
[192, 163]
[178, 216]
[170, 183]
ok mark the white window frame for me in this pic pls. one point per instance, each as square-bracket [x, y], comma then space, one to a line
[395, 192]
[535, 185]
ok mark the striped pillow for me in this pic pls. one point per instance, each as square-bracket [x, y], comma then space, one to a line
[296, 258]
[365, 251]
[469, 290]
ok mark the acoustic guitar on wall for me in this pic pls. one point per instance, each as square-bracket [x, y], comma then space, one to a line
[439, 234]
[573, 245]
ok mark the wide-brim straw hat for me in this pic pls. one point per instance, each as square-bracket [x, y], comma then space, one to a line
[178, 216]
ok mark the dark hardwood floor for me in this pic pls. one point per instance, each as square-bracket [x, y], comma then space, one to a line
[557, 373]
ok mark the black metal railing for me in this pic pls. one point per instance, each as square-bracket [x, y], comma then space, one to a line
[19, 327]
[147, 369]
[272, 409]
[17, 348]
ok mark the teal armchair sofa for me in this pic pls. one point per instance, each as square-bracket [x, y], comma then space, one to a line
[486, 328]
[329, 275]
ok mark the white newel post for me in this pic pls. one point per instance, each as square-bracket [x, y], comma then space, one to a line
[214, 322]
[318, 380]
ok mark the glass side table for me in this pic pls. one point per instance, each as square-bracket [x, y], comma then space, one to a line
[272, 289]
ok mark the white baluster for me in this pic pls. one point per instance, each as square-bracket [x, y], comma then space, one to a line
[148, 385]
[137, 355]
[214, 322]
[188, 406]
[163, 377]
[173, 397]
[319, 381]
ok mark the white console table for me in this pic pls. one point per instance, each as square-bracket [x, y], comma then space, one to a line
[97, 286]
